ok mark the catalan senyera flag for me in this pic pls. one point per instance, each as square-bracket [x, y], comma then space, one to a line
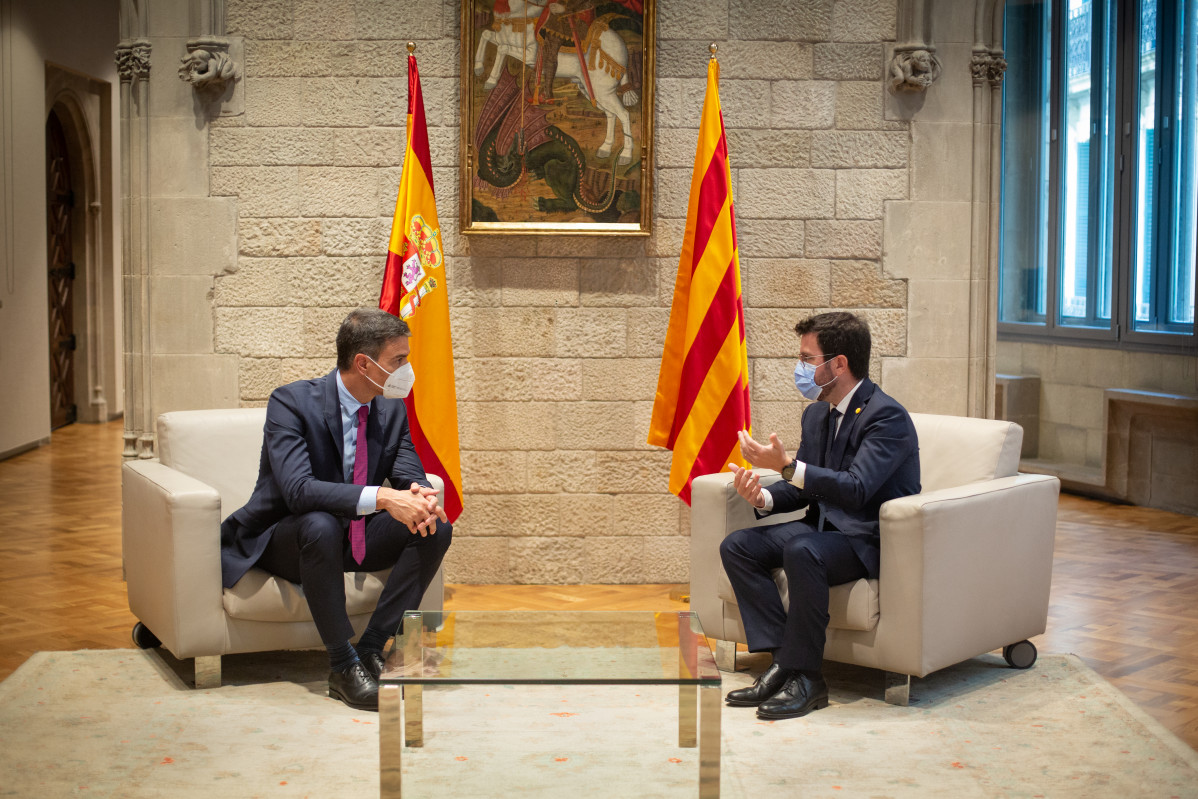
[703, 386]
[414, 289]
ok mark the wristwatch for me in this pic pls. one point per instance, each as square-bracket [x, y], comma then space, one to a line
[788, 471]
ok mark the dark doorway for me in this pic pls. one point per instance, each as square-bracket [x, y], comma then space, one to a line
[60, 203]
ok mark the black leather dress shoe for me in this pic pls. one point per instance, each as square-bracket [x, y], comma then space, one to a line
[355, 687]
[800, 696]
[373, 663]
[769, 683]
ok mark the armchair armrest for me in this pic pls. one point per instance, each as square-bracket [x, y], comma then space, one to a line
[716, 511]
[170, 536]
[966, 570]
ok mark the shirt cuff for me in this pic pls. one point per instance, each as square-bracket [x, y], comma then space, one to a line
[368, 501]
[800, 474]
[769, 501]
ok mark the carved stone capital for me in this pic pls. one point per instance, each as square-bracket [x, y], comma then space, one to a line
[988, 67]
[133, 60]
[913, 69]
[208, 67]
[998, 68]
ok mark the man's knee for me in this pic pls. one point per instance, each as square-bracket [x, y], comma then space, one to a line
[731, 547]
[444, 535]
[801, 553]
[320, 529]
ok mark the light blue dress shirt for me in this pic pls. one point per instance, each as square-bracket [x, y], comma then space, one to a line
[349, 434]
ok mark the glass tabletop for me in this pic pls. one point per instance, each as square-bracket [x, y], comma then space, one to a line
[558, 646]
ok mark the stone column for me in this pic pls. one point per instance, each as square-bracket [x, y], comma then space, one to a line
[176, 236]
[133, 65]
[986, 67]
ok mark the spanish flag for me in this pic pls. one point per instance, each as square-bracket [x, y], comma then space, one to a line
[703, 386]
[414, 289]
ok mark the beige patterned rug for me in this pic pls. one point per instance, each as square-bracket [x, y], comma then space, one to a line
[123, 723]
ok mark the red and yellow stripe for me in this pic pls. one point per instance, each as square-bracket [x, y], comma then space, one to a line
[432, 405]
[703, 386]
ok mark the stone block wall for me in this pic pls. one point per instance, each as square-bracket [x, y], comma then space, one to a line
[557, 339]
[1072, 383]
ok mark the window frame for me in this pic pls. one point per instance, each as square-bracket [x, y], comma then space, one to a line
[1121, 332]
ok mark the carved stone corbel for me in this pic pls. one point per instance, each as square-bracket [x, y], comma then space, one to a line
[914, 69]
[914, 66]
[208, 67]
[133, 60]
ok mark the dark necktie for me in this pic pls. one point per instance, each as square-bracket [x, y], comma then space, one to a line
[357, 527]
[829, 439]
[833, 415]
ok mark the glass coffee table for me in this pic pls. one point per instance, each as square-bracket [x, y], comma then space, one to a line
[548, 648]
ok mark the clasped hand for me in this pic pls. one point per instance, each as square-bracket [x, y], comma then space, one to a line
[416, 509]
[772, 456]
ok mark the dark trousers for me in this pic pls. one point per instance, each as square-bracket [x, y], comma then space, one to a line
[313, 550]
[813, 561]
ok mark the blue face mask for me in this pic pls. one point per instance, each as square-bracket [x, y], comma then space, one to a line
[805, 379]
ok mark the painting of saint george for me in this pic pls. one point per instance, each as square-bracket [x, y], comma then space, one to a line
[557, 116]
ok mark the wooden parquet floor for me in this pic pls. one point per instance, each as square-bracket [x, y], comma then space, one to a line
[1124, 595]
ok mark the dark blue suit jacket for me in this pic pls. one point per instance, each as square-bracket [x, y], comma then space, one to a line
[302, 467]
[874, 458]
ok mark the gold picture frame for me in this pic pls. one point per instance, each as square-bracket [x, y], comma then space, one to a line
[554, 141]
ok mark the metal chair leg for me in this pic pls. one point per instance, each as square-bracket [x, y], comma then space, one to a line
[208, 671]
[898, 689]
[725, 655]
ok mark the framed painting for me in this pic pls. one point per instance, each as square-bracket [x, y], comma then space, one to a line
[557, 116]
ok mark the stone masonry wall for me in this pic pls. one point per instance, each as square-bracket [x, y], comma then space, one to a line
[557, 339]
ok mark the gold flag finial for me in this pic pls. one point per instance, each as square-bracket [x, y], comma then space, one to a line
[713, 47]
[411, 47]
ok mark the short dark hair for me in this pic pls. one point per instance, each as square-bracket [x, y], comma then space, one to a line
[841, 333]
[367, 330]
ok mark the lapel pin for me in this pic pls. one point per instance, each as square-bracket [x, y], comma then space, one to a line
[857, 411]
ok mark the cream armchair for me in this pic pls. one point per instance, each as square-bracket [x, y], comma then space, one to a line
[965, 565]
[170, 531]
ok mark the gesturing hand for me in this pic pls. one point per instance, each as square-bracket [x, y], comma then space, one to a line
[748, 485]
[772, 456]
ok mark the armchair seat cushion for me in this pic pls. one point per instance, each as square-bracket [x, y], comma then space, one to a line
[851, 606]
[260, 596]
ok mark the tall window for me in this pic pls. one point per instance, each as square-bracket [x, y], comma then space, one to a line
[1100, 181]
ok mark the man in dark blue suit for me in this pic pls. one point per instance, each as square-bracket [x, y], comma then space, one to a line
[858, 450]
[319, 508]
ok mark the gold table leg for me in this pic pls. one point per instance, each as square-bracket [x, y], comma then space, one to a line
[709, 742]
[413, 716]
[687, 715]
[390, 743]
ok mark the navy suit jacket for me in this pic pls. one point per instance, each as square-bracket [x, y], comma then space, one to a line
[874, 458]
[302, 468]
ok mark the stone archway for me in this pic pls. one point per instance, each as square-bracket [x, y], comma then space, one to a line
[78, 105]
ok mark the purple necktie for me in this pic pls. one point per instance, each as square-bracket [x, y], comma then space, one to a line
[357, 527]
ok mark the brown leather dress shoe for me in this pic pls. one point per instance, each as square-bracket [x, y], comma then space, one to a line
[355, 687]
[798, 697]
[771, 681]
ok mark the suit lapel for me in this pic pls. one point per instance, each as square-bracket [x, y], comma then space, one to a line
[331, 411]
[856, 408]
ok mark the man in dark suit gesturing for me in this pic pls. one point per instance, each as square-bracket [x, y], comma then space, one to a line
[319, 508]
[858, 450]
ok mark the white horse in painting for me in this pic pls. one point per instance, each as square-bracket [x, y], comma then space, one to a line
[606, 60]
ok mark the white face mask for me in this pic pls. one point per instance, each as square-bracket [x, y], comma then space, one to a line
[399, 383]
